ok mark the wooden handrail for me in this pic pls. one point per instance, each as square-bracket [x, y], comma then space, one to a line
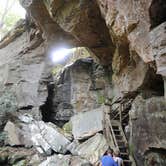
[113, 135]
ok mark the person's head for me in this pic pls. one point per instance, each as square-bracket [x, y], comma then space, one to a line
[116, 153]
[109, 152]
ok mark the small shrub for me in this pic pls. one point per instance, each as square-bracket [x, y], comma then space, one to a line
[67, 127]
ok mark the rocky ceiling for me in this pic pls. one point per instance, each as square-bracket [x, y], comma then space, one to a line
[75, 23]
[107, 27]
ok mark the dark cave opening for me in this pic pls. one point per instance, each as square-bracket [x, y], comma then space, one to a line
[53, 111]
[47, 108]
[157, 12]
[153, 85]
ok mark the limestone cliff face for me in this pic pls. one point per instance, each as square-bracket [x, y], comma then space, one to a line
[125, 59]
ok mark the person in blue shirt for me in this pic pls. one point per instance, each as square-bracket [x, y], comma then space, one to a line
[107, 159]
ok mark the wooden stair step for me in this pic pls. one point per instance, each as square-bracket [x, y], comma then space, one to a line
[122, 149]
[120, 140]
[127, 161]
[119, 137]
[120, 143]
[117, 132]
[116, 129]
[115, 125]
[125, 154]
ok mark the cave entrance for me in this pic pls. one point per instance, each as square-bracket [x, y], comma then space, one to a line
[157, 12]
[57, 107]
[153, 85]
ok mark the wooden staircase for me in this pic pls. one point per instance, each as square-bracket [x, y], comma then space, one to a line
[121, 112]
[121, 142]
[114, 120]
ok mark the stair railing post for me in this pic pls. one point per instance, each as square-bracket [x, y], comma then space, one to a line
[120, 113]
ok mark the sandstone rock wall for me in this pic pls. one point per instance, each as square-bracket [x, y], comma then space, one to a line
[126, 40]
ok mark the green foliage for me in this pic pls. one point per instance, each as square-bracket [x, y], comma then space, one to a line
[101, 98]
[68, 127]
[79, 52]
[76, 53]
[10, 20]
[10, 16]
[57, 69]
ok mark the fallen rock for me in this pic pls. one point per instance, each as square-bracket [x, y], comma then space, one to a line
[93, 148]
[35, 160]
[65, 160]
[12, 134]
[86, 124]
[78, 161]
[39, 142]
[8, 105]
[44, 136]
[16, 156]
[47, 135]
[59, 160]
[72, 147]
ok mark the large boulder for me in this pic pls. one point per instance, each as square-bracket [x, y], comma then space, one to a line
[79, 161]
[56, 160]
[50, 134]
[12, 134]
[17, 156]
[86, 124]
[44, 136]
[93, 148]
[8, 105]
[65, 160]
[148, 117]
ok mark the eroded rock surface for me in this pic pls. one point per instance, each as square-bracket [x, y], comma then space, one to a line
[148, 126]
[94, 123]
[126, 37]
[65, 161]
[93, 148]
